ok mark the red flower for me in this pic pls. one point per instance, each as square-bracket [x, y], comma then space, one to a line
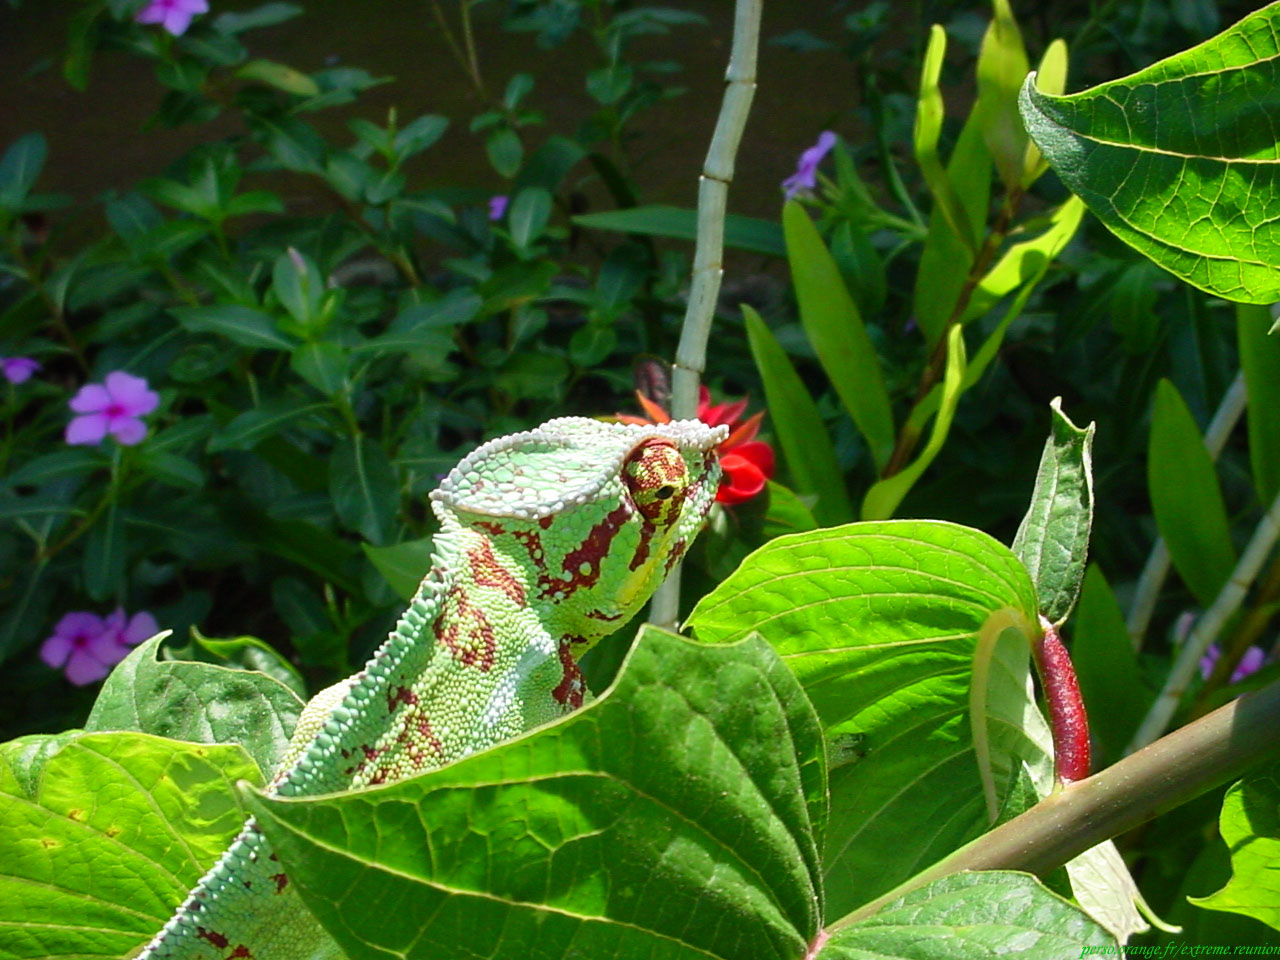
[747, 462]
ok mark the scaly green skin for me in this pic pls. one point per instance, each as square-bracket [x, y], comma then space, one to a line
[550, 540]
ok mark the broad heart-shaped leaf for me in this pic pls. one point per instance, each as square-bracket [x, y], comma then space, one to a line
[104, 834]
[1181, 160]
[1250, 825]
[199, 702]
[1053, 539]
[987, 914]
[676, 817]
[881, 624]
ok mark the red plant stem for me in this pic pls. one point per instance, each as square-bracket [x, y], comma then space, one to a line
[818, 942]
[1067, 718]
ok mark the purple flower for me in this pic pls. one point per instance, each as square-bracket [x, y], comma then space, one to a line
[174, 15]
[498, 206]
[111, 407]
[1251, 662]
[806, 175]
[18, 369]
[131, 631]
[80, 642]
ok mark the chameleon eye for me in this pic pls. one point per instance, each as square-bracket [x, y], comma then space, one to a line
[657, 479]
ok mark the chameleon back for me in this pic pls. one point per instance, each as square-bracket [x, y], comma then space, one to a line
[549, 540]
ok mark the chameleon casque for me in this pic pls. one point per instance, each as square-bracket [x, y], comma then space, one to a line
[550, 540]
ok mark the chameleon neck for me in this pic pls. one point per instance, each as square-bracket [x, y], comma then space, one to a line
[469, 665]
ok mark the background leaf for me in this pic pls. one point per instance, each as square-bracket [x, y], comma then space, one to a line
[835, 329]
[798, 425]
[1260, 363]
[678, 816]
[1179, 160]
[363, 486]
[1186, 499]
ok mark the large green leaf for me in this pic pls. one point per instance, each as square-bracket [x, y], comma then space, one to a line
[798, 425]
[1180, 160]
[1186, 498]
[201, 702]
[1250, 825]
[882, 624]
[678, 817]
[1053, 539]
[101, 834]
[989, 914]
[362, 484]
[835, 329]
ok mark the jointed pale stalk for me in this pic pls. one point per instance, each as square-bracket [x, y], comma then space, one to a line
[713, 195]
[1156, 568]
[1208, 626]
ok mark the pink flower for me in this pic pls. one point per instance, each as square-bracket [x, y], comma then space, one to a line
[806, 175]
[112, 407]
[498, 206]
[18, 369]
[174, 15]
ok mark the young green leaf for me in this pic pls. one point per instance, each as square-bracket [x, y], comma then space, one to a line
[530, 211]
[19, 168]
[1260, 362]
[1053, 540]
[1195, 133]
[1186, 499]
[280, 76]
[596, 835]
[834, 327]
[505, 151]
[186, 700]
[1250, 826]
[883, 497]
[798, 425]
[930, 113]
[1002, 66]
[104, 835]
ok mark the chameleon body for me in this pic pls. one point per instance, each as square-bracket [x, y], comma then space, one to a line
[549, 540]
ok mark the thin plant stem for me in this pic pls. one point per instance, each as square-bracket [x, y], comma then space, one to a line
[1209, 626]
[1213, 750]
[713, 194]
[1152, 578]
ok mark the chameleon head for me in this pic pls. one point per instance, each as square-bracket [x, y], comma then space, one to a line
[589, 516]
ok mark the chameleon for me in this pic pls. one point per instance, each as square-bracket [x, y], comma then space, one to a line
[549, 540]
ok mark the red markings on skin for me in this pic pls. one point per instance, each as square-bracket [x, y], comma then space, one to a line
[219, 940]
[466, 631]
[281, 880]
[531, 540]
[425, 732]
[677, 551]
[241, 952]
[488, 572]
[569, 690]
[601, 615]
[545, 522]
[370, 753]
[491, 528]
[588, 555]
[647, 530]
[397, 696]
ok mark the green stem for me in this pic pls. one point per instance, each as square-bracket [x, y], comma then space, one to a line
[1213, 750]
[56, 316]
[713, 194]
